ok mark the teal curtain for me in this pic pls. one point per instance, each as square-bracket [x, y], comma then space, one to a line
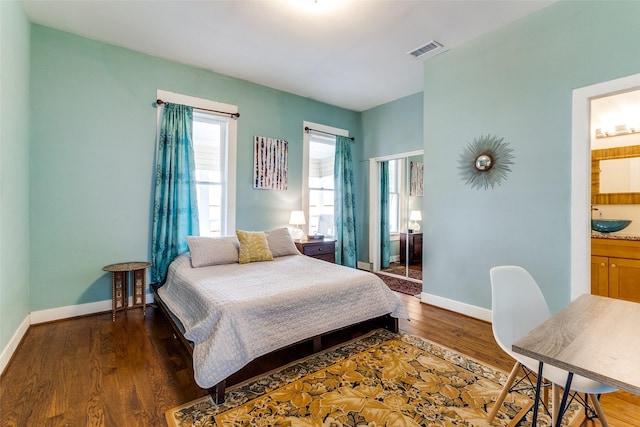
[175, 209]
[385, 229]
[344, 204]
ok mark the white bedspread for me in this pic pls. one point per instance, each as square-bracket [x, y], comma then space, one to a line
[234, 313]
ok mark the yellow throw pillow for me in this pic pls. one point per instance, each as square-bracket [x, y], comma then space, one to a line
[254, 246]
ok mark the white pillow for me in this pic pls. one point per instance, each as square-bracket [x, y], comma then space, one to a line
[281, 243]
[212, 250]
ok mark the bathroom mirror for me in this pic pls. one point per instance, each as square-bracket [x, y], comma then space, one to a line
[610, 172]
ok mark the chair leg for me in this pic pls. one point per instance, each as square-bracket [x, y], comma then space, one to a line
[545, 393]
[555, 396]
[598, 408]
[504, 392]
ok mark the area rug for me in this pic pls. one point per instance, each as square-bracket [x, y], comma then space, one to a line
[400, 285]
[382, 379]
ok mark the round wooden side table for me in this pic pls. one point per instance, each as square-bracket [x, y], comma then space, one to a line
[120, 285]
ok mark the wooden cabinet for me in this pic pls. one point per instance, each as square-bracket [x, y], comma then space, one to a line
[415, 247]
[615, 268]
[321, 249]
[600, 275]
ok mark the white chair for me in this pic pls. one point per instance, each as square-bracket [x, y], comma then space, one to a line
[518, 306]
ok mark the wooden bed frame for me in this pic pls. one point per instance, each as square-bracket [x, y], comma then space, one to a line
[217, 392]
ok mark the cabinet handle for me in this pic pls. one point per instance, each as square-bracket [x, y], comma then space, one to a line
[602, 264]
[320, 249]
[613, 265]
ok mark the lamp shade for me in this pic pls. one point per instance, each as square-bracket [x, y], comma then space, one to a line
[297, 218]
[415, 216]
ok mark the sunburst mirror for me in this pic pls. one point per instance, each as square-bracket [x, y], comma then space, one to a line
[485, 162]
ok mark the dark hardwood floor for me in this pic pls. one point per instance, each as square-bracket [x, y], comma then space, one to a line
[91, 371]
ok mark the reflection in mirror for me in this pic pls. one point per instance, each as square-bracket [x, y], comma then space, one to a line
[484, 162]
[388, 212]
[400, 204]
[620, 175]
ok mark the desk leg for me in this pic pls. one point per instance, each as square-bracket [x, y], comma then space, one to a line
[118, 292]
[113, 296]
[139, 297]
[127, 282]
[536, 402]
[563, 404]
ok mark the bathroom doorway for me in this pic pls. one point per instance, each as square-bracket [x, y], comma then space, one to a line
[581, 176]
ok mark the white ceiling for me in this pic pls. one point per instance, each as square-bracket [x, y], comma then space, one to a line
[349, 53]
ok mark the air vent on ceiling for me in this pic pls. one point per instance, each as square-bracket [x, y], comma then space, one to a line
[431, 48]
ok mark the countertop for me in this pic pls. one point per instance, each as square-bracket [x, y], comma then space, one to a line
[614, 236]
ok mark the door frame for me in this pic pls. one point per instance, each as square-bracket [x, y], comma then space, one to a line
[581, 177]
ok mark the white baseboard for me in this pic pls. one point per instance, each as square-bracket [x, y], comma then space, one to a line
[364, 266]
[8, 351]
[457, 306]
[49, 315]
[59, 313]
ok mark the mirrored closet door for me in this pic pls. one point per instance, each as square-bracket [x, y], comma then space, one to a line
[396, 215]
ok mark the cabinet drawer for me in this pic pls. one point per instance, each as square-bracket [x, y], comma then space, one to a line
[319, 249]
[615, 248]
[326, 257]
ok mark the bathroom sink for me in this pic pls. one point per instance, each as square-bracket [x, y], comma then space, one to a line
[609, 225]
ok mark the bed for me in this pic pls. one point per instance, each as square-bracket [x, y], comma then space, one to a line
[233, 312]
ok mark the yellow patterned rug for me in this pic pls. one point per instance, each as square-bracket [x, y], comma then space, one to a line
[382, 379]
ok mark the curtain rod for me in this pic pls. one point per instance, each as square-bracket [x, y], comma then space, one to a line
[234, 115]
[307, 129]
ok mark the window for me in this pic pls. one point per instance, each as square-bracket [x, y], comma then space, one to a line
[319, 150]
[209, 145]
[322, 151]
[214, 143]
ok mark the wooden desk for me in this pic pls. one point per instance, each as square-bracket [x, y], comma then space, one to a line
[594, 336]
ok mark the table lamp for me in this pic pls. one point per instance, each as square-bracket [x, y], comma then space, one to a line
[415, 216]
[297, 219]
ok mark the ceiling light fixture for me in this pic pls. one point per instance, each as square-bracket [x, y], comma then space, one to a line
[315, 6]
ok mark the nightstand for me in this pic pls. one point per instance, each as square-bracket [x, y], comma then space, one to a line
[415, 247]
[321, 249]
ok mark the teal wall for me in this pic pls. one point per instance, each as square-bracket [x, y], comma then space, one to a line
[515, 83]
[14, 168]
[87, 110]
[93, 130]
[391, 128]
